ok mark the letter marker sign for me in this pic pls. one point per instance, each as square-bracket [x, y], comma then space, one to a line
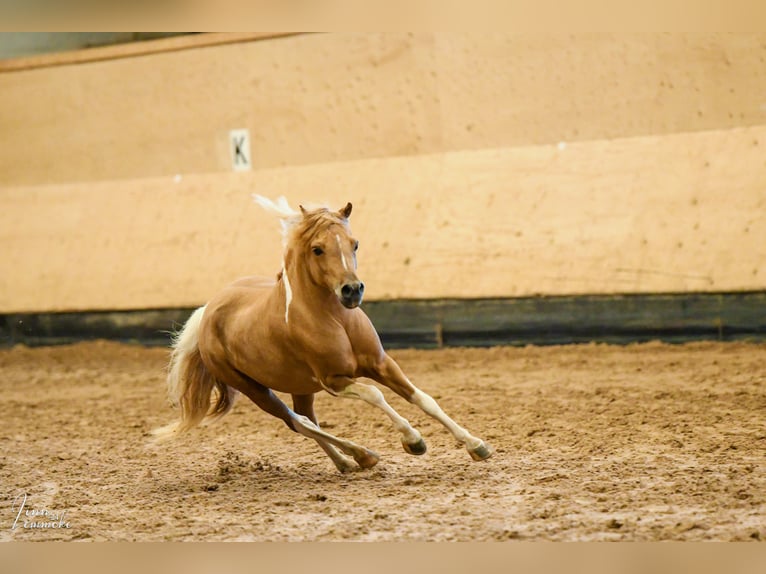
[239, 141]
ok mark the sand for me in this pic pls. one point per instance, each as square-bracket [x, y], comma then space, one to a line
[593, 442]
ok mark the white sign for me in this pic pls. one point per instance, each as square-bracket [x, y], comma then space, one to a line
[239, 142]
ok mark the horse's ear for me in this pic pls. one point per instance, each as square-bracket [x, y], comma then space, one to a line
[346, 211]
[303, 210]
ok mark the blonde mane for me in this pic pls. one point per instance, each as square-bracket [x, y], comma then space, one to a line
[297, 224]
[288, 217]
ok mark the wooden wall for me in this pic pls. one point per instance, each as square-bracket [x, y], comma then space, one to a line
[487, 166]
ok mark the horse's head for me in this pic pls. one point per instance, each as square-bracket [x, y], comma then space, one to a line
[324, 244]
[319, 245]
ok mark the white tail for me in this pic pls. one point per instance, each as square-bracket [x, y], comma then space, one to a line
[190, 385]
[184, 343]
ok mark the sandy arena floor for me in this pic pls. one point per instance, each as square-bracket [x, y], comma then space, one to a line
[645, 442]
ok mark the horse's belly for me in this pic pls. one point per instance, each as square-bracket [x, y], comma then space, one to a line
[297, 385]
[268, 360]
[282, 374]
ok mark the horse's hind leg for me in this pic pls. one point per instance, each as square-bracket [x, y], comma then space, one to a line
[269, 402]
[390, 375]
[412, 442]
[304, 405]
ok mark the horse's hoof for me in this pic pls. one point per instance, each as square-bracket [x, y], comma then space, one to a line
[367, 459]
[417, 448]
[346, 466]
[481, 452]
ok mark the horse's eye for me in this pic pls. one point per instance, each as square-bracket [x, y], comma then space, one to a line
[317, 250]
[356, 245]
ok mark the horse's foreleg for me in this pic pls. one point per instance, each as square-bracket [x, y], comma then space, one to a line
[390, 375]
[412, 442]
[269, 402]
[304, 405]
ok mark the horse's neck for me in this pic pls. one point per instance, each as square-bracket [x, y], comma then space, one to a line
[305, 296]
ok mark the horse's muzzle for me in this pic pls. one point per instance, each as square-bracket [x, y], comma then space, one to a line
[351, 294]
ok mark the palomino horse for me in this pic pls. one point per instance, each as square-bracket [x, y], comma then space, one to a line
[301, 334]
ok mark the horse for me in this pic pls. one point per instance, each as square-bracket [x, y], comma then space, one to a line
[300, 334]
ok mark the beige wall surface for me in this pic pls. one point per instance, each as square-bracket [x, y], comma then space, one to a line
[675, 213]
[320, 98]
[479, 166]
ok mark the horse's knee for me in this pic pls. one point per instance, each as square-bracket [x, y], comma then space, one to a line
[337, 385]
[388, 373]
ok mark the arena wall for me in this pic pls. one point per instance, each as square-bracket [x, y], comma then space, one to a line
[479, 167]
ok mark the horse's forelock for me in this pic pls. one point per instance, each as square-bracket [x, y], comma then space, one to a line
[312, 223]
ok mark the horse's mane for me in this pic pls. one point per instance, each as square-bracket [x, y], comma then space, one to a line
[299, 225]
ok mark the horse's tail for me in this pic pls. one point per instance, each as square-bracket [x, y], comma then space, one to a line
[190, 384]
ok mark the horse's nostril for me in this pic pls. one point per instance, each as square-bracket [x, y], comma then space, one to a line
[352, 289]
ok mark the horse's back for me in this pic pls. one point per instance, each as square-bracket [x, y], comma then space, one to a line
[236, 303]
[253, 282]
